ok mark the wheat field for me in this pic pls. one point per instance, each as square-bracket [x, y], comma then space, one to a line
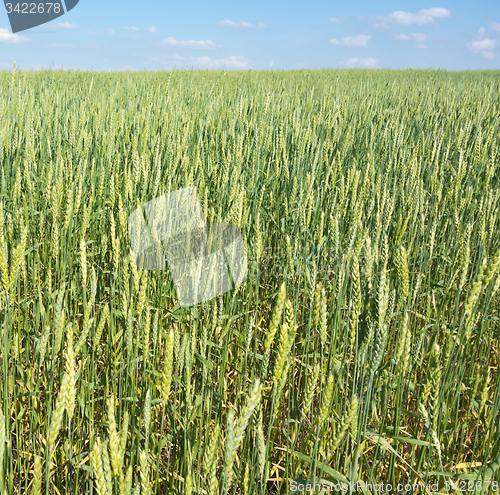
[362, 348]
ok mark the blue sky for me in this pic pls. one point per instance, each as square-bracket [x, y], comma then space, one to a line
[154, 34]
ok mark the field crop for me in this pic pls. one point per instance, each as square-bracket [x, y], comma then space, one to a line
[364, 344]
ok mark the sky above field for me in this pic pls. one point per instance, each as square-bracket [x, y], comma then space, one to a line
[159, 34]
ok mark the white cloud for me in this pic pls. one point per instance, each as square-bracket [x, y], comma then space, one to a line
[487, 44]
[170, 41]
[421, 45]
[111, 31]
[64, 25]
[204, 62]
[153, 29]
[339, 20]
[407, 18]
[91, 32]
[130, 28]
[359, 40]
[232, 62]
[39, 66]
[242, 25]
[424, 16]
[420, 37]
[366, 63]
[271, 63]
[496, 26]
[436, 12]
[8, 37]
[483, 44]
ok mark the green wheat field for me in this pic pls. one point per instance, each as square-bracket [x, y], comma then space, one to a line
[364, 344]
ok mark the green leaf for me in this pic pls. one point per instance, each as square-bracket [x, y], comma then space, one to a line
[324, 468]
[415, 441]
